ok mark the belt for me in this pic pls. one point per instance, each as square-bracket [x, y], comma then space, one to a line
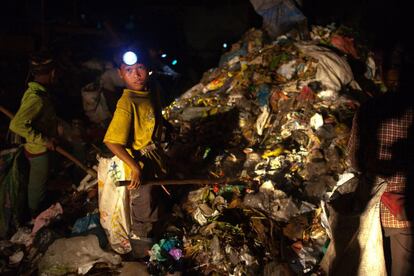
[148, 148]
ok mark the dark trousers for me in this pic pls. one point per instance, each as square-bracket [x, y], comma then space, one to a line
[148, 202]
[399, 241]
[36, 190]
[144, 210]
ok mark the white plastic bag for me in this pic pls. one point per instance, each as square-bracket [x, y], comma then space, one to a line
[356, 236]
[94, 103]
[114, 203]
[332, 70]
[110, 80]
[75, 255]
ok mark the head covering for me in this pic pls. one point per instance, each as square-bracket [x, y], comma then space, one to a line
[41, 63]
[140, 53]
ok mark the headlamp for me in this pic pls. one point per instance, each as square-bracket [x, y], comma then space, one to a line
[129, 58]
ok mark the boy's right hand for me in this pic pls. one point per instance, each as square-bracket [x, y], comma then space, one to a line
[135, 178]
[51, 144]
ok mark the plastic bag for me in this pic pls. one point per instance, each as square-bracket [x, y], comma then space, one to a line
[345, 44]
[110, 80]
[94, 103]
[279, 16]
[114, 203]
[333, 71]
[86, 223]
[13, 177]
[46, 217]
[78, 254]
[356, 245]
[262, 119]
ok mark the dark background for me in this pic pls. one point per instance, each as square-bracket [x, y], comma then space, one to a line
[193, 32]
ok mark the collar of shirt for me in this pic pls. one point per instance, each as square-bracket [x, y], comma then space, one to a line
[36, 86]
[140, 93]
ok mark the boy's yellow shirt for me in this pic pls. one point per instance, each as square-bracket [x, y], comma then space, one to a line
[133, 122]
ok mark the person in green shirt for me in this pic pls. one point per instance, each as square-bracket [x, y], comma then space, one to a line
[36, 121]
[134, 135]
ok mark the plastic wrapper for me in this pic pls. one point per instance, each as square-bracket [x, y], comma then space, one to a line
[345, 44]
[75, 255]
[47, 216]
[86, 223]
[262, 120]
[23, 236]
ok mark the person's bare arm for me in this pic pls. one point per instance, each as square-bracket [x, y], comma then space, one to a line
[120, 151]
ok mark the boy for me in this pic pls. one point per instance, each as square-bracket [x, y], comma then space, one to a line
[133, 135]
[36, 121]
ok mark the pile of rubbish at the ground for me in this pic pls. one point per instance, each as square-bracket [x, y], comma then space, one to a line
[274, 117]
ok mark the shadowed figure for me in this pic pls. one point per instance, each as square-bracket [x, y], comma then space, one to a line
[382, 145]
[381, 150]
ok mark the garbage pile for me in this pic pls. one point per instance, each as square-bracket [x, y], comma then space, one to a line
[276, 116]
[273, 118]
[65, 238]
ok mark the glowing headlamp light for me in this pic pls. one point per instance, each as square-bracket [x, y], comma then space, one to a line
[129, 58]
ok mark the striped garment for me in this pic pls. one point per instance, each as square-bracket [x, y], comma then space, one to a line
[382, 142]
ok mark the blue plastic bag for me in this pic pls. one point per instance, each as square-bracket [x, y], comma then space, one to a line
[279, 16]
[86, 223]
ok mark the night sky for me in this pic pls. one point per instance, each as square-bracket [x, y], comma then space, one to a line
[193, 32]
[181, 26]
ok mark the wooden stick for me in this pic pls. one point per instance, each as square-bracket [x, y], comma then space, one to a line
[6, 112]
[72, 158]
[202, 182]
[60, 150]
